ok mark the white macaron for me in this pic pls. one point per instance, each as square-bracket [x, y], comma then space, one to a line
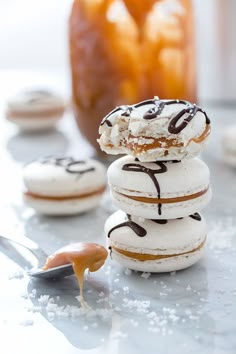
[155, 130]
[159, 190]
[155, 245]
[64, 186]
[35, 110]
[229, 145]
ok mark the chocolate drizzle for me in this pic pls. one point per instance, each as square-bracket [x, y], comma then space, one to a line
[160, 221]
[173, 128]
[137, 229]
[155, 111]
[134, 167]
[68, 163]
[69, 168]
[196, 216]
[126, 111]
[140, 231]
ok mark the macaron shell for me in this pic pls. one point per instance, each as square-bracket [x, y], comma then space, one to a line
[173, 237]
[168, 211]
[160, 266]
[179, 179]
[46, 179]
[35, 101]
[35, 124]
[65, 207]
[134, 135]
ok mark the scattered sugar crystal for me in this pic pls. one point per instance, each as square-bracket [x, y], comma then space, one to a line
[33, 308]
[162, 294]
[43, 299]
[188, 312]
[85, 328]
[126, 289]
[154, 329]
[116, 280]
[128, 271]
[19, 274]
[118, 335]
[51, 307]
[134, 323]
[33, 293]
[188, 288]
[145, 275]
[115, 292]
[51, 316]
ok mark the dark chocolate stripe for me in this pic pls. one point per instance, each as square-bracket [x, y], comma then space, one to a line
[134, 167]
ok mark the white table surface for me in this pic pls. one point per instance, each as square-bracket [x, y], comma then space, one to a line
[192, 311]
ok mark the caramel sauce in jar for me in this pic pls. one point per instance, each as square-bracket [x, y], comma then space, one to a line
[125, 51]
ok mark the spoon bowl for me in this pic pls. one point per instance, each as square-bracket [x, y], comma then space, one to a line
[52, 273]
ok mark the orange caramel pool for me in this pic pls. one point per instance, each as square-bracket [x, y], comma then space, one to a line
[82, 256]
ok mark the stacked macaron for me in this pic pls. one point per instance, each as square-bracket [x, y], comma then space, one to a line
[160, 186]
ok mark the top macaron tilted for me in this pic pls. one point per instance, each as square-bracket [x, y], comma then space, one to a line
[155, 130]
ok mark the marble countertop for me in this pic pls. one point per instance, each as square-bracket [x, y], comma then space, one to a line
[191, 311]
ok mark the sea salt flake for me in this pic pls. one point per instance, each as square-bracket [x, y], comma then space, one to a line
[128, 271]
[145, 275]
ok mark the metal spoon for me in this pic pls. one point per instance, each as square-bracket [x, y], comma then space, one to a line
[53, 273]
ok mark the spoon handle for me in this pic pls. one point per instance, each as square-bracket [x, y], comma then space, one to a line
[29, 245]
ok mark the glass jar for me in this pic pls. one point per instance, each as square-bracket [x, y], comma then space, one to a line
[124, 51]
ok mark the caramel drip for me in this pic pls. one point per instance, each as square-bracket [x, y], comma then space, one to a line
[82, 256]
[152, 257]
[203, 136]
[44, 113]
[62, 198]
[79, 272]
[166, 200]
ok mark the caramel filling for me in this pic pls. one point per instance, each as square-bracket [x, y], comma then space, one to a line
[36, 114]
[157, 143]
[62, 198]
[153, 257]
[166, 200]
[161, 142]
[82, 256]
